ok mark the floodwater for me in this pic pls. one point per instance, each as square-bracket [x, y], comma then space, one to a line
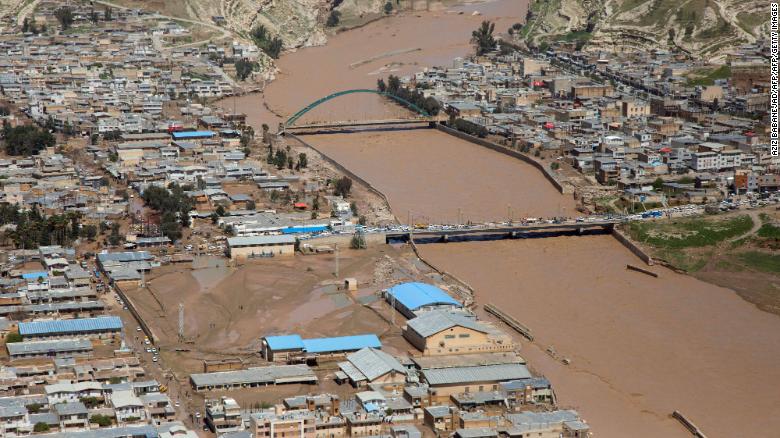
[432, 177]
[397, 45]
[640, 347]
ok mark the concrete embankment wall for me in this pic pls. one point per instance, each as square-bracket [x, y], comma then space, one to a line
[344, 240]
[633, 247]
[345, 171]
[131, 307]
[506, 151]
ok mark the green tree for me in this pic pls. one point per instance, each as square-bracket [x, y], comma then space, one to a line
[303, 161]
[34, 408]
[220, 210]
[114, 238]
[343, 186]
[483, 39]
[94, 17]
[101, 420]
[65, 16]
[244, 68]
[25, 25]
[40, 427]
[12, 338]
[358, 241]
[388, 8]
[380, 85]
[27, 140]
[107, 14]
[272, 46]
[658, 184]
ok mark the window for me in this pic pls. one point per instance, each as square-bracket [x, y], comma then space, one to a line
[464, 335]
[449, 336]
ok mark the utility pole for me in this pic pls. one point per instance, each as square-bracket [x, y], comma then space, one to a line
[337, 260]
[509, 213]
[181, 322]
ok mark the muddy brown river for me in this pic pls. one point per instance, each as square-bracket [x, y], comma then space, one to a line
[640, 347]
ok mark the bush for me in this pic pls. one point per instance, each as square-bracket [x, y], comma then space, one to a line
[101, 420]
[41, 427]
[333, 19]
[11, 338]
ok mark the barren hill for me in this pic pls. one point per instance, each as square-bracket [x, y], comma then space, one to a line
[705, 28]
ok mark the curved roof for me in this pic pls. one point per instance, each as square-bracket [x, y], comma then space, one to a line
[415, 295]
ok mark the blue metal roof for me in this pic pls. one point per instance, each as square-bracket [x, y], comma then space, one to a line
[192, 134]
[311, 229]
[70, 325]
[286, 342]
[35, 275]
[343, 343]
[416, 295]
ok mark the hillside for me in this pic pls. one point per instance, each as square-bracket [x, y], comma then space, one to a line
[705, 28]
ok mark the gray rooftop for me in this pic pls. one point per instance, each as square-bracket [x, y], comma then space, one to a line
[430, 323]
[271, 374]
[465, 375]
[370, 364]
[38, 347]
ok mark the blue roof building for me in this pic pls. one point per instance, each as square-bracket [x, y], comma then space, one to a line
[35, 275]
[284, 348]
[71, 327]
[192, 135]
[411, 298]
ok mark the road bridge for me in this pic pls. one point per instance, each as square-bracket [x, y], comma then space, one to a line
[366, 125]
[502, 232]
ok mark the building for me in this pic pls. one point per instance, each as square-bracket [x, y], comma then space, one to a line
[127, 406]
[445, 382]
[103, 327]
[253, 377]
[293, 348]
[283, 425]
[223, 415]
[444, 332]
[369, 366]
[49, 348]
[555, 424]
[413, 298]
[261, 246]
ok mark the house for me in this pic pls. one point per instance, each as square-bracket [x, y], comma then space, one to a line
[72, 415]
[102, 327]
[293, 348]
[553, 424]
[372, 366]
[223, 415]
[127, 406]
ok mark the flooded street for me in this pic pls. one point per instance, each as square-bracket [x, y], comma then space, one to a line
[640, 347]
[430, 176]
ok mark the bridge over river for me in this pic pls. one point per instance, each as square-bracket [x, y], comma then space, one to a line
[455, 234]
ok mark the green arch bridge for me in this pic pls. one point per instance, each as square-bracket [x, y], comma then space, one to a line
[319, 102]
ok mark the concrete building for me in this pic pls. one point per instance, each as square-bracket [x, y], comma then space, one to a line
[49, 349]
[454, 332]
[223, 415]
[261, 246]
[555, 424]
[284, 425]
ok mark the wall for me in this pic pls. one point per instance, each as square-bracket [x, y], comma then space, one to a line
[276, 250]
[506, 151]
[623, 239]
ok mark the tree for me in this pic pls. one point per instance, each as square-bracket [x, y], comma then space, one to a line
[343, 186]
[272, 46]
[34, 408]
[483, 39]
[170, 227]
[380, 85]
[27, 140]
[333, 19]
[89, 232]
[388, 8]
[94, 17]
[358, 241]
[244, 68]
[40, 427]
[250, 205]
[354, 208]
[114, 238]
[12, 338]
[303, 161]
[220, 210]
[101, 420]
[658, 184]
[25, 25]
[107, 14]
[65, 16]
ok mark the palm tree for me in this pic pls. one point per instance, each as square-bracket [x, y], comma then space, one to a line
[482, 38]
